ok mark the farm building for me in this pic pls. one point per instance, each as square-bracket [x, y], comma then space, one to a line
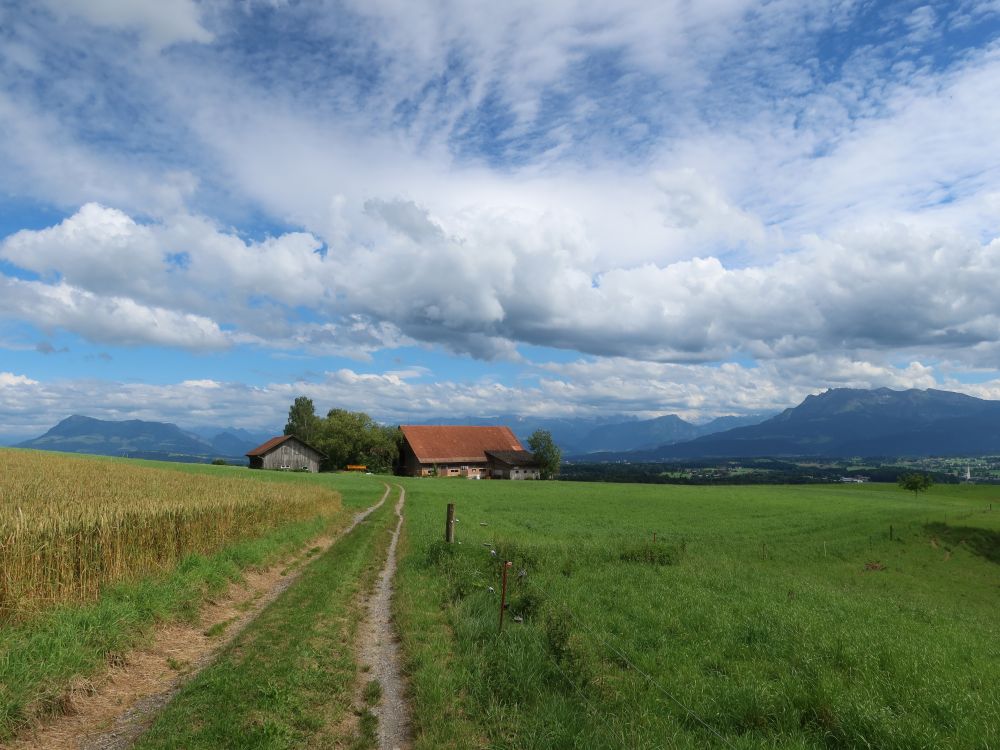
[285, 452]
[464, 451]
[513, 465]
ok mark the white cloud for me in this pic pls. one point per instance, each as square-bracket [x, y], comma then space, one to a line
[160, 22]
[114, 320]
[8, 379]
[676, 183]
[210, 384]
[481, 282]
[45, 159]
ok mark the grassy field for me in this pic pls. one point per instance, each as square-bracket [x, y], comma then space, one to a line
[71, 525]
[780, 617]
[766, 616]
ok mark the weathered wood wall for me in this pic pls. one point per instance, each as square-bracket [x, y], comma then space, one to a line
[291, 455]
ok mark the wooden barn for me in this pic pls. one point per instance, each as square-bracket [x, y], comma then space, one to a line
[513, 465]
[462, 451]
[286, 452]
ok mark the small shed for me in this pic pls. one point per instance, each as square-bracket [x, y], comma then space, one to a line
[513, 465]
[285, 452]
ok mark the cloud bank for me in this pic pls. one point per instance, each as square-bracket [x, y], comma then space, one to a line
[713, 199]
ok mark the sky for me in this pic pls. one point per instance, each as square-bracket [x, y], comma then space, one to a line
[425, 209]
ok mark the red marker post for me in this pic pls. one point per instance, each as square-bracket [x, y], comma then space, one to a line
[503, 591]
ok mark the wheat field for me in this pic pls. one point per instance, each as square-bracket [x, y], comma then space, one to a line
[71, 525]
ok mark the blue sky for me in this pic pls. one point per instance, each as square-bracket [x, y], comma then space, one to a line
[427, 209]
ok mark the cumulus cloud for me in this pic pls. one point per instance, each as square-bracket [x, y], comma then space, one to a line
[482, 283]
[9, 379]
[118, 320]
[681, 185]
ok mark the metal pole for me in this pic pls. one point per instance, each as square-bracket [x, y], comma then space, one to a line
[503, 592]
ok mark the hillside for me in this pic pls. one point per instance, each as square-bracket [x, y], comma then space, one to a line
[136, 438]
[853, 422]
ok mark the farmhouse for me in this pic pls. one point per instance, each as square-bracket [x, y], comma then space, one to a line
[285, 452]
[465, 451]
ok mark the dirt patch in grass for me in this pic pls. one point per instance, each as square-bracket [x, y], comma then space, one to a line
[112, 710]
[982, 542]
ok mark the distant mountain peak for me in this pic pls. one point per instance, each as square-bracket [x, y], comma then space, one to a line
[855, 421]
[135, 437]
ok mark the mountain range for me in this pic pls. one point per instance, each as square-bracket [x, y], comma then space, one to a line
[840, 422]
[140, 439]
[852, 422]
[80, 434]
[582, 435]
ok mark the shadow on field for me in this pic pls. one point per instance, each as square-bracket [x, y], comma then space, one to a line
[983, 542]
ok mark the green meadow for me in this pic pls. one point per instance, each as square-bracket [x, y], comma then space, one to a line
[640, 616]
[768, 616]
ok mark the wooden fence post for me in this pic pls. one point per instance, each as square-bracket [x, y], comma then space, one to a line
[449, 526]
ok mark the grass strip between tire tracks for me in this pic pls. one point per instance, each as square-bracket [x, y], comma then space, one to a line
[287, 680]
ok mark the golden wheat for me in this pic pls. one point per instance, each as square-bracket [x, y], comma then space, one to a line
[70, 525]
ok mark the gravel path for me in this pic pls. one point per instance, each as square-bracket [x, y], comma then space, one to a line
[145, 698]
[379, 649]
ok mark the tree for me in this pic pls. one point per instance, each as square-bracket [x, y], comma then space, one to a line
[546, 452]
[344, 437]
[915, 482]
[302, 420]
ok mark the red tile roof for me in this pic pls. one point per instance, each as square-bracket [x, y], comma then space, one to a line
[270, 445]
[457, 443]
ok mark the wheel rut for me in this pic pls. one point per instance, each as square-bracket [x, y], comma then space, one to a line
[379, 653]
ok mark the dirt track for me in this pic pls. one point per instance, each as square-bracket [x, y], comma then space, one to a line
[378, 649]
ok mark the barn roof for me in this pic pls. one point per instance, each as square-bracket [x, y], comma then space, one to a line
[514, 458]
[264, 448]
[456, 443]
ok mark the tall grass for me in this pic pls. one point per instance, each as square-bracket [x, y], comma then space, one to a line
[72, 525]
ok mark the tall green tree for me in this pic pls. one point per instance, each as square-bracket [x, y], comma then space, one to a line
[302, 420]
[345, 437]
[546, 452]
[916, 482]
